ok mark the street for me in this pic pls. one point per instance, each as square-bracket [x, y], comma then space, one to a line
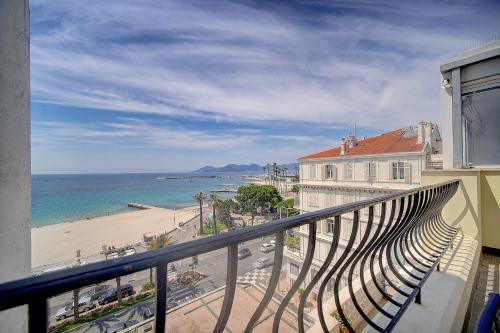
[211, 265]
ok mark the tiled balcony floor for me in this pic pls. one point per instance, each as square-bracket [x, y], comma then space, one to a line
[488, 281]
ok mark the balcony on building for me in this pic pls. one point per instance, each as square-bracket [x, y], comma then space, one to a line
[430, 251]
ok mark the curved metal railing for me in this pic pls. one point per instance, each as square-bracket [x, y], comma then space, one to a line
[399, 246]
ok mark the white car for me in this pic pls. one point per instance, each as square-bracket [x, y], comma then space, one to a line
[84, 304]
[263, 262]
[267, 247]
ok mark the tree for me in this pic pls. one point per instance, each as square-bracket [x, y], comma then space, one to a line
[224, 208]
[200, 197]
[163, 240]
[215, 202]
[293, 242]
[287, 206]
[253, 198]
[295, 189]
[119, 289]
[76, 308]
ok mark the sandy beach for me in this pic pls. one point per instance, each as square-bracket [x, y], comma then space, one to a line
[59, 242]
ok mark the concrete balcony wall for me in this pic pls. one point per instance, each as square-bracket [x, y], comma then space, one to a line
[474, 209]
[15, 164]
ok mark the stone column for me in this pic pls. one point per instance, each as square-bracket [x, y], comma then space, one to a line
[15, 161]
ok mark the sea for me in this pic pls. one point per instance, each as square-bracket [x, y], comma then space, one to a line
[64, 198]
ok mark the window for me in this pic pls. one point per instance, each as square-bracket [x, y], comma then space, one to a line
[330, 284]
[312, 171]
[346, 230]
[348, 171]
[331, 172]
[294, 269]
[313, 273]
[329, 226]
[371, 172]
[398, 170]
[329, 200]
[481, 120]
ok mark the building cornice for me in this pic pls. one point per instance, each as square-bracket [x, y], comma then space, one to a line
[366, 156]
[347, 188]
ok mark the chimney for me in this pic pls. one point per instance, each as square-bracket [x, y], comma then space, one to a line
[420, 132]
[342, 147]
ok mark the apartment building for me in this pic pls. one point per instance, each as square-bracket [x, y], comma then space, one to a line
[356, 170]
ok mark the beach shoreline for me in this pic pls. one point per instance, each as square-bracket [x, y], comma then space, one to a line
[55, 243]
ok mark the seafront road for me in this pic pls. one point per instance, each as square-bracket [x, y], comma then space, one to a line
[212, 265]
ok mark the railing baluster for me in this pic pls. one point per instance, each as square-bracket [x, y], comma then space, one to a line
[231, 274]
[273, 282]
[161, 297]
[315, 279]
[38, 316]
[305, 267]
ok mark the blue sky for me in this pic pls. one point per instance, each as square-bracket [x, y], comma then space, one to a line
[153, 86]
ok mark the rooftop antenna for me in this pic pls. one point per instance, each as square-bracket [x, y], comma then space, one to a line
[354, 129]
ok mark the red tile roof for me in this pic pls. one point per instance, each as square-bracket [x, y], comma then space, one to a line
[390, 142]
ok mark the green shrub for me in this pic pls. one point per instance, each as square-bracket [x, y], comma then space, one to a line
[147, 286]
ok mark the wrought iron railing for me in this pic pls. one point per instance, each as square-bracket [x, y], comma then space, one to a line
[403, 243]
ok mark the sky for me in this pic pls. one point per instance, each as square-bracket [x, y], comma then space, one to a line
[168, 86]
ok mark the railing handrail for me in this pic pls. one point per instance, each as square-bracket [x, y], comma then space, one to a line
[22, 291]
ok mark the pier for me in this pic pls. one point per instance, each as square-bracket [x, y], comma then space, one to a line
[224, 190]
[139, 206]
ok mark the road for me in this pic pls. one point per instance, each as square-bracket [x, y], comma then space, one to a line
[212, 265]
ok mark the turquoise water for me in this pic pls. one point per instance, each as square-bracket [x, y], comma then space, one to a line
[63, 198]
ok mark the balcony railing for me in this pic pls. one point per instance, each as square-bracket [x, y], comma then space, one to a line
[404, 243]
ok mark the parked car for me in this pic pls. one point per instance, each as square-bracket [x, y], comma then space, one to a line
[121, 326]
[146, 313]
[84, 304]
[267, 247]
[97, 291]
[112, 294]
[263, 262]
[244, 252]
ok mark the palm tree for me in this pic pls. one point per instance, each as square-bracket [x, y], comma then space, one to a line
[119, 289]
[216, 201]
[76, 303]
[162, 241]
[200, 197]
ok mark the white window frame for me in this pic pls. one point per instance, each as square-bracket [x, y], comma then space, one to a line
[312, 171]
[371, 172]
[399, 167]
[348, 171]
[329, 227]
[330, 172]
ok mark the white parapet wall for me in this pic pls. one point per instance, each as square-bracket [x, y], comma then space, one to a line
[15, 163]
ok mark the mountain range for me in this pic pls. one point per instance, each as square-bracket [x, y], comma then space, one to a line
[242, 168]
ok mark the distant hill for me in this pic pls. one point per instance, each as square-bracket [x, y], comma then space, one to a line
[231, 168]
[241, 168]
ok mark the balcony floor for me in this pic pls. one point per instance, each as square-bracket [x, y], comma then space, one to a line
[488, 281]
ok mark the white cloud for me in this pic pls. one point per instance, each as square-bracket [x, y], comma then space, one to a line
[377, 65]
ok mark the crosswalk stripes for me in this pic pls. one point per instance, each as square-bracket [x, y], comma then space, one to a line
[255, 276]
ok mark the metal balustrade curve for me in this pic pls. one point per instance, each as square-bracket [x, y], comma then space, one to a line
[397, 251]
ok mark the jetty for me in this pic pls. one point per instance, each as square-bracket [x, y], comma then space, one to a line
[139, 206]
[224, 190]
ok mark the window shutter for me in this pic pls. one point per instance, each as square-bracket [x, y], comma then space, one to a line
[407, 172]
[323, 172]
[334, 172]
[367, 171]
[373, 172]
[391, 166]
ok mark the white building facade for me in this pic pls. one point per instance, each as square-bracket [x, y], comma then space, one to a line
[358, 170]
